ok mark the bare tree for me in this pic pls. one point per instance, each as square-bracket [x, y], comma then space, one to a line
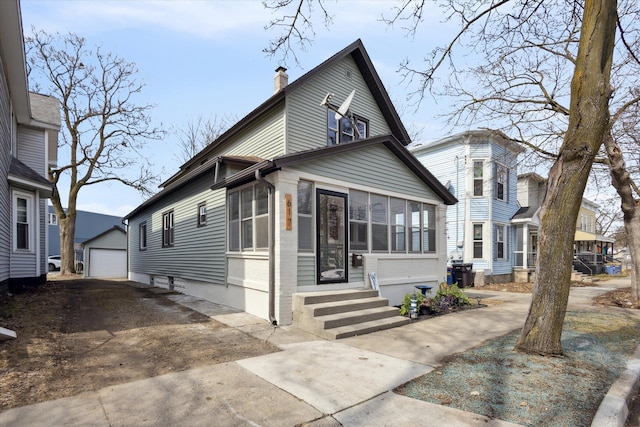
[103, 127]
[588, 30]
[199, 133]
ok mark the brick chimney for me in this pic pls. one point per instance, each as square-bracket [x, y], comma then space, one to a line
[280, 80]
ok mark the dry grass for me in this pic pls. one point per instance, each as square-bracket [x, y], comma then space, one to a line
[495, 381]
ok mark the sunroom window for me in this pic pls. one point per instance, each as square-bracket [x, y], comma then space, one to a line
[248, 218]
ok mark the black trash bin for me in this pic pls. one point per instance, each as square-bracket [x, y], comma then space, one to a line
[463, 274]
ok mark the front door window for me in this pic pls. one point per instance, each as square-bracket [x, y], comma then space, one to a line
[332, 237]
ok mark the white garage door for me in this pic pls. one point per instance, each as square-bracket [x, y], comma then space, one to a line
[107, 263]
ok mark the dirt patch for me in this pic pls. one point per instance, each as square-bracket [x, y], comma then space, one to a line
[617, 298]
[77, 335]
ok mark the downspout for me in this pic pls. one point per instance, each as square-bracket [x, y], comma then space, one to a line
[272, 250]
[125, 222]
[218, 161]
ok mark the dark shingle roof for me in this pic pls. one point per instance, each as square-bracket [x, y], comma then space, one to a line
[20, 171]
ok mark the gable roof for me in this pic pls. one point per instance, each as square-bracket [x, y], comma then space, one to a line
[360, 56]
[13, 58]
[265, 167]
[389, 141]
[115, 228]
[470, 137]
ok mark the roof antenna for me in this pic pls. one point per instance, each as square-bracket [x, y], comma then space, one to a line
[343, 110]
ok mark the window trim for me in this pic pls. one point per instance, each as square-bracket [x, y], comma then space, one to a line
[250, 220]
[355, 222]
[308, 216]
[31, 221]
[142, 236]
[202, 218]
[476, 241]
[340, 131]
[480, 178]
[52, 218]
[503, 242]
[168, 229]
[499, 169]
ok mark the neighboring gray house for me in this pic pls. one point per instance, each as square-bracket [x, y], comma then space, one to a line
[293, 200]
[105, 255]
[479, 168]
[88, 225]
[29, 125]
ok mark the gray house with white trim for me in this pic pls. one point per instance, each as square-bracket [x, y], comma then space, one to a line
[296, 200]
[29, 125]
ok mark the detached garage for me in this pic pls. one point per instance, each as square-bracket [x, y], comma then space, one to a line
[105, 255]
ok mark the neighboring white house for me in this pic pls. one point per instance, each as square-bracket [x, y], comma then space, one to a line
[293, 199]
[479, 168]
[29, 125]
[592, 251]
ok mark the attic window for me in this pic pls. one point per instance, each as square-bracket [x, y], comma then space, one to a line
[341, 131]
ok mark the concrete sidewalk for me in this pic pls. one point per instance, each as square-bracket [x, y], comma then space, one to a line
[311, 382]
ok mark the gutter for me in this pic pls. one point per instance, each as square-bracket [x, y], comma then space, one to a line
[272, 251]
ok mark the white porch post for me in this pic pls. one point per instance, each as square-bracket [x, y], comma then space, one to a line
[286, 246]
[525, 246]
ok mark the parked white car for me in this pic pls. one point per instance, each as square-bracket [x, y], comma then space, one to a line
[54, 263]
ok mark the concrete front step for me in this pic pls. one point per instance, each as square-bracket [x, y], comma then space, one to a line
[341, 314]
[326, 308]
[365, 328]
[307, 298]
[355, 317]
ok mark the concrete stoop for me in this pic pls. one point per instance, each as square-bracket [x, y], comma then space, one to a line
[578, 276]
[341, 314]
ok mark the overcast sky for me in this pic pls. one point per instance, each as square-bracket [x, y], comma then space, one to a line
[206, 58]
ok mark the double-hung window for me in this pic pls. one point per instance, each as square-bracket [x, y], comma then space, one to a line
[23, 206]
[202, 214]
[502, 175]
[248, 218]
[53, 219]
[500, 244]
[142, 235]
[167, 229]
[478, 177]
[477, 241]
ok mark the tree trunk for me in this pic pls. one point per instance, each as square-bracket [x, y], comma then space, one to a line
[621, 181]
[67, 224]
[67, 248]
[588, 121]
